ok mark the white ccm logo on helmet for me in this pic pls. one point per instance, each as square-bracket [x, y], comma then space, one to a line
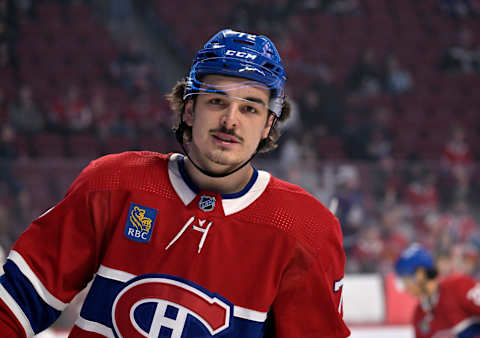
[244, 55]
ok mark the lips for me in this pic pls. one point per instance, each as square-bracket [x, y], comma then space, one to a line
[228, 138]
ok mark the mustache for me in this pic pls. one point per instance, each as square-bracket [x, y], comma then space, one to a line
[227, 131]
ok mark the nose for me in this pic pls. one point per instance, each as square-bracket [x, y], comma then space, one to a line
[229, 118]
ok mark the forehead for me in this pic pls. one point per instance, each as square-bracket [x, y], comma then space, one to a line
[236, 86]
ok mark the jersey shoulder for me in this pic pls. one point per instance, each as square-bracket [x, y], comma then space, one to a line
[456, 284]
[142, 170]
[296, 212]
[456, 280]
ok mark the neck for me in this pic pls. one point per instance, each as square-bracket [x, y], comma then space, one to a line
[230, 184]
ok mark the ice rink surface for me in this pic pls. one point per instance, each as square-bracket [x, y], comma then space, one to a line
[357, 332]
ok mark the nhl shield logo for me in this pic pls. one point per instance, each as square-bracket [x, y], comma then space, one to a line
[206, 203]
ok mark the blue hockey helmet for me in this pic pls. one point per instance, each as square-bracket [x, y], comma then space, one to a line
[412, 258]
[248, 56]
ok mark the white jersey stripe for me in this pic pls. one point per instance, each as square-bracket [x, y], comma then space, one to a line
[181, 188]
[90, 326]
[256, 316]
[465, 324]
[51, 300]
[117, 275]
[17, 311]
[124, 277]
[233, 205]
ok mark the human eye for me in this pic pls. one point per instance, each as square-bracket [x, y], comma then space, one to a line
[216, 101]
[250, 109]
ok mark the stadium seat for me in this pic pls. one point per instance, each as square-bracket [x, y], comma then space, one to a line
[118, 144]
[83, 146]
[48, 145]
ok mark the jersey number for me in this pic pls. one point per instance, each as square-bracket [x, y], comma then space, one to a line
[336, 288]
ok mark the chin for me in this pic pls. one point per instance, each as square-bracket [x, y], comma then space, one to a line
[224, 158]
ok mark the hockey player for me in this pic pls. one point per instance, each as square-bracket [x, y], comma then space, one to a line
[194, 245]
[448, 307]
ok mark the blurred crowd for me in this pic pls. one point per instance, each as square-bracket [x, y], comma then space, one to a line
[352, 139]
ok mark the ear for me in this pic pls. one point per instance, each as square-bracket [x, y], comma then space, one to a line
[268, 125]
[188, 114]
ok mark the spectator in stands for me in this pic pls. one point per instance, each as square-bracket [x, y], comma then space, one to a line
[351, 208]
[457, 152]
[132, 69]
[386, 181]
[444, 263]
[396, 231]
[459, 222]
[71, 113]
[323, 104]
[459, 8]
[463, 56]
[421, 194]
[379, 145]
[465, 259]
[365, 77]
[24, 113]
[341, 7]
[102, 116]
[379, 136]
[367, 250]
[458, 167]
[397, 80]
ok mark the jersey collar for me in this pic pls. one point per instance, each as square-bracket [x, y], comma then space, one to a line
[187, 190]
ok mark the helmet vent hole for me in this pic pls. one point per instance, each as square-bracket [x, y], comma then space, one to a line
[250, 43]
[210, 55]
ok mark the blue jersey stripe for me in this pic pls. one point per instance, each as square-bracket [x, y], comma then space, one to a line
[470, 332]
[99, 302]
[40, 314]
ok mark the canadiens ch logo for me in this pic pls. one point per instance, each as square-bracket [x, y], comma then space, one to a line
[206, 203]
[162, 306]
[140, 223]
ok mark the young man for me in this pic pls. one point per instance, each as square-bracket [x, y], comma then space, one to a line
[202, 245]
[449, 307]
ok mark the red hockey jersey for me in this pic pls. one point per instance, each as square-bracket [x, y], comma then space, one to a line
[455, 311]
[169, 260]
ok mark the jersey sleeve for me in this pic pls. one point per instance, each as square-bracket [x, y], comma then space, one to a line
[51, 262]
[309, 300]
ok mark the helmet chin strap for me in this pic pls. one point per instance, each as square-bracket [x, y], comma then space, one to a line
[179, 137]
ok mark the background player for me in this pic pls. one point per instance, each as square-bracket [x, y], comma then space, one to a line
[448, 307]
[188, 246]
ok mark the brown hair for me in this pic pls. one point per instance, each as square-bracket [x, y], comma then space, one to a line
[177, 104]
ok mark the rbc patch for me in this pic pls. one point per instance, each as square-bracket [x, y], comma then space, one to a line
[140, 222]
[206, 203]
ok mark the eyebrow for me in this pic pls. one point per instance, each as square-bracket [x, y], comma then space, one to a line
[248, 98]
